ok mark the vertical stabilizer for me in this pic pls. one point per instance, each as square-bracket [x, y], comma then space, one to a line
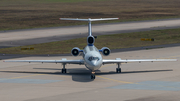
[90, 38]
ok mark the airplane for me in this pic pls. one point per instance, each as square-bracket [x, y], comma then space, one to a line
[91, 56]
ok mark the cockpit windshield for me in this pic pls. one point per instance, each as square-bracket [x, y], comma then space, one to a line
[93, 58]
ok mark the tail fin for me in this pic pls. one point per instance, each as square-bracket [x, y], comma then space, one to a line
[88, 20]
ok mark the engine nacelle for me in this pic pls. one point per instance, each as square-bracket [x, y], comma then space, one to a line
[90, 40]
[75, 51]
[105, 51]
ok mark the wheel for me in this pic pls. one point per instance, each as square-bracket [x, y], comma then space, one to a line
[118, 70]
[63, 70]
[93, 76]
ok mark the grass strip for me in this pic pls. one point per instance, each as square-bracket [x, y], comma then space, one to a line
[116, 41]
[25, 14]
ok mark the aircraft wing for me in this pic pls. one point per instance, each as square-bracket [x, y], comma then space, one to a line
[50, 61]
[136, 60]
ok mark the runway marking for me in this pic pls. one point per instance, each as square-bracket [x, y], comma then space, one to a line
[115, 80]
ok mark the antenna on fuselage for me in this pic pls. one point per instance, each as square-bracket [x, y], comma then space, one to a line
[90, 38]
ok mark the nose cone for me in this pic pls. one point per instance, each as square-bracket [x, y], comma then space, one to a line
[94, 63]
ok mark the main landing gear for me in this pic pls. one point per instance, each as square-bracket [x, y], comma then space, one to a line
[118, 70]
[63, 69]
[93, 76]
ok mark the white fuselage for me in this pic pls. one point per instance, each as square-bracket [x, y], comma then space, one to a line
[92, 58]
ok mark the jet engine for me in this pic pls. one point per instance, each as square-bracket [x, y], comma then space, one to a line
[75, 51]
[105, 51]
[90, 40]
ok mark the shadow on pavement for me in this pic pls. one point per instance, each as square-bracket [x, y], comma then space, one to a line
[84, 75]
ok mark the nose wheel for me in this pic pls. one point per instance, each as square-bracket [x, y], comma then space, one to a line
[93, 76]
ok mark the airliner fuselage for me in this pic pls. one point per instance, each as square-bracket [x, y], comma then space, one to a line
[92, 58]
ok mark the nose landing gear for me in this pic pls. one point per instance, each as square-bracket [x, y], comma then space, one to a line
[93, 76]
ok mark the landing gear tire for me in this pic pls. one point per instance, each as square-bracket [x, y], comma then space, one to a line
[63, 70]
[93, 76]
[118, 70]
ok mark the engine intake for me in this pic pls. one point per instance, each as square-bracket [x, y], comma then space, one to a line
[75, 51]
[90, 40]
[105, 51]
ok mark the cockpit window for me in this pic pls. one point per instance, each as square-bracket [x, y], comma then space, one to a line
[93, 58]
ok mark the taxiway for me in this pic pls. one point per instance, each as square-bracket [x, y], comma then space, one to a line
[43, 35]
[146, 81]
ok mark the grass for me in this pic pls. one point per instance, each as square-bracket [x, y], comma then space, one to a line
[67, 1]
[21, 14]
[24, 2]
[116, 41]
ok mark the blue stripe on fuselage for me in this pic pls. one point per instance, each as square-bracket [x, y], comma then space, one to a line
[90, 45]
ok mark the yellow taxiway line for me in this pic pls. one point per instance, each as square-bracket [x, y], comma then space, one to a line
[115, 80]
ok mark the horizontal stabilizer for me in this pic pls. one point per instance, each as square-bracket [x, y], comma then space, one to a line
[89, 21]
[76, 19]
